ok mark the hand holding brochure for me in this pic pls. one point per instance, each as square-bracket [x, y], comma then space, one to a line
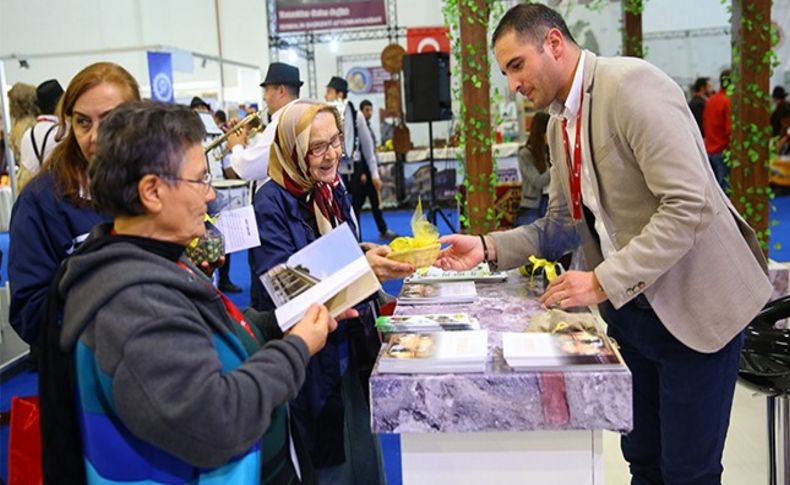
[331, 270]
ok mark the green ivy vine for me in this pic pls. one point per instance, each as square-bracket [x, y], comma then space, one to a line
[472, 70]
[752, 199]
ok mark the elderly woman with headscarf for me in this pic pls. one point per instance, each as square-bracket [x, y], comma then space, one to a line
[172, 383]
[303, 200]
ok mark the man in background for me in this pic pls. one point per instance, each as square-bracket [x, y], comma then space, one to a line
[717, 128]
[38, 141]
[702, 90]
[781, 110]
[365, 180]
[337, 94]
[280, 88]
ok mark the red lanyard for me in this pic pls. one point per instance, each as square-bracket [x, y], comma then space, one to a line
[231, 308]
[575, 165]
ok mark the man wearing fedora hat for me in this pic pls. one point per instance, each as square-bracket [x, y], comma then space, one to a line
[250, 160]
[39, 140]
[781, 110]
[280, 88]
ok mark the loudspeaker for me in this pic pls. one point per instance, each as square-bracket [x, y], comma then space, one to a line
[427, 86]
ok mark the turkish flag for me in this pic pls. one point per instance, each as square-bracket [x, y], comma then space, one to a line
[427, 39]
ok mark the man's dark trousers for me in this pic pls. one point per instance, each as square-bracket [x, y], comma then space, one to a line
[361, 191]
[682, 399]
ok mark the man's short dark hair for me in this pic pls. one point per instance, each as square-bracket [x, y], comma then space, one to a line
[700, 83]
[137, 139]
[220, 116]
[291, 89]
[531, 21]
[724, 79]
[364, 103]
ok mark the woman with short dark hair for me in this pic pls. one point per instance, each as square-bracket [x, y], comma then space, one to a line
[172, 382]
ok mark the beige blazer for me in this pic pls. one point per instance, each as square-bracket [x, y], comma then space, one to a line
[677, 237]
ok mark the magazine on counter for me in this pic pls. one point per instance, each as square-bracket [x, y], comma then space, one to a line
[435, 352]
[331, 270]
[481, 273]
[432, 293]
[436, 322]
[578, 350]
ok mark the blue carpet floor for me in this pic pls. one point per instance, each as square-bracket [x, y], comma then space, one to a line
[24, 384]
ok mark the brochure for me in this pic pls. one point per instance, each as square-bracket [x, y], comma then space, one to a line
[436, 322]
[331, 270]
[431, 293]
[436, 352]
[577, 350]
[481, 273]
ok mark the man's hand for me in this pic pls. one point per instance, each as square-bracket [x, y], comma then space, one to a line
[237, 137]
[387, 269]
[465, 252]
[573, 288]
[376, 183]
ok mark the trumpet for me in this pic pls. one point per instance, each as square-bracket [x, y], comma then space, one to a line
[250, 118]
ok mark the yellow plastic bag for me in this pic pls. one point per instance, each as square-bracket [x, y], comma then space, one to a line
[423, 247]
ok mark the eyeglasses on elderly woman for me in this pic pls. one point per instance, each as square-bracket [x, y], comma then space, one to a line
[319, 149]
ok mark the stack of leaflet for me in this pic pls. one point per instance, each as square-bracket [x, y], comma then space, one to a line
[435, 353]
[481, 273]
[433, 293]
[436, 322]
[578, 350]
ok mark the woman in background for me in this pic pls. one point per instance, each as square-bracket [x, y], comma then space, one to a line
[533, 163]
[23, 110]
[53, 215]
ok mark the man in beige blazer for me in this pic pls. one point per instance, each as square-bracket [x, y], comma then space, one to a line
[677, 273]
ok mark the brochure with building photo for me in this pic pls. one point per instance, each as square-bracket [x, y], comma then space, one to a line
[435, 352]
[432, 293]
[331, 270]
[436, 322]
[576, 350]
[481, 273]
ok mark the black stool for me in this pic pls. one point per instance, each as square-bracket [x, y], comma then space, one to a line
[765, 367]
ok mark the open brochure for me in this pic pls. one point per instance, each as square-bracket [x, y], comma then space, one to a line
[577, 350]
[331, 270]
[481, 273]
[438, 352]
[432, 293]
[435, 322]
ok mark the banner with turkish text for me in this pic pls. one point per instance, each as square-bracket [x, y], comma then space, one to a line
[302, 15]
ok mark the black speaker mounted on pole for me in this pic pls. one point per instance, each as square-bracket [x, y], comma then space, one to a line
[428, 98]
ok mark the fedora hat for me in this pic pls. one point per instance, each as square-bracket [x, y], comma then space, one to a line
[282, 73]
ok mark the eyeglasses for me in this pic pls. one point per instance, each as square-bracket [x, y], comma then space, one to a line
[319, 149]
[205, 181]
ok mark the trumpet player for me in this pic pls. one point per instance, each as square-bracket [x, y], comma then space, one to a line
[251, 160]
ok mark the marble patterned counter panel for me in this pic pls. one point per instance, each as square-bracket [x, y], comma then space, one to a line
[499, 399]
